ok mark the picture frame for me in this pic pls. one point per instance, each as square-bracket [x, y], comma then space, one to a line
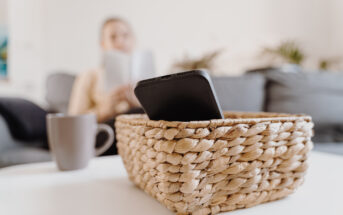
[3, 52]
[3, 41]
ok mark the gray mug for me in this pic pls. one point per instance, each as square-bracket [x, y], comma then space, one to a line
[72, 139]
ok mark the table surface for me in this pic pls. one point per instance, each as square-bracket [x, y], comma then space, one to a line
[103, 188]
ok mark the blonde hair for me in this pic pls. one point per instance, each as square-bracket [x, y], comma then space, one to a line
[112, 20]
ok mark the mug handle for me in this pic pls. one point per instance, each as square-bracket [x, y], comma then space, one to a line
[109, 141]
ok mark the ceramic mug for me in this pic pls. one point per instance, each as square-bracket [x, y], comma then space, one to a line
[72, 139]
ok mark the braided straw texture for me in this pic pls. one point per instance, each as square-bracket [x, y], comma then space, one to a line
[206, 167]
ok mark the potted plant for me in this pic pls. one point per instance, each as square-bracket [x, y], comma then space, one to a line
[206, 61]
[287, 56]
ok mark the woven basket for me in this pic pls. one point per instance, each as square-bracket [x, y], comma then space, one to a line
[206, 167]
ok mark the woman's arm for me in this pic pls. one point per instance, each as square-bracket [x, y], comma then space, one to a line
[80, 100]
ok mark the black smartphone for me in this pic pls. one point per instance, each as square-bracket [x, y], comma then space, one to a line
[185, 96]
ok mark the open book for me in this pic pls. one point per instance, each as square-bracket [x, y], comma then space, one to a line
[121, 68]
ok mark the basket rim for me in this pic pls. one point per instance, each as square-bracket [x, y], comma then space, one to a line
[246, 118]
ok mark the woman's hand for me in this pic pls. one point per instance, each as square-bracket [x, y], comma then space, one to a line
[131, 97]
[119, 94]
[123, 98]
[114, 102]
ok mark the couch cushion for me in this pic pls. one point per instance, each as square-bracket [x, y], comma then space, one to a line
[5, 136]
[26, 121]
[319, 95]
[242, 93]
[14, 152]
[334, 148]
[19, 154]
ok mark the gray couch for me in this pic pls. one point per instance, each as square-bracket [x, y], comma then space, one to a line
[12, 151]
[16, 152]
[318, 94]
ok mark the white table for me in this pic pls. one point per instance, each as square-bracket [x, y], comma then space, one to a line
[103, 188]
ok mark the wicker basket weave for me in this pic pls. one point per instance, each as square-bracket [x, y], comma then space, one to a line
[206, 167]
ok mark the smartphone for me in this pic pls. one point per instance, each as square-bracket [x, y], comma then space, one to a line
[185, 96]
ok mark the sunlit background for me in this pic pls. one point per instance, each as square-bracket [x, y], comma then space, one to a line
[46, 36]
[57, 83]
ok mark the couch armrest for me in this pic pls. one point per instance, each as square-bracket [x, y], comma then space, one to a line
[5, 135]
[14, 152]
[6, 139]
[25, 120]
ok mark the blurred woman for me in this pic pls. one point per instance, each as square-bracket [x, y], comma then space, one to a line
[89, 94]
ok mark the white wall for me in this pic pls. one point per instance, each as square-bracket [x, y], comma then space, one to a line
[336, 39]
[3, 12]
[172, 28]
[48, 35]
[25, 50]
